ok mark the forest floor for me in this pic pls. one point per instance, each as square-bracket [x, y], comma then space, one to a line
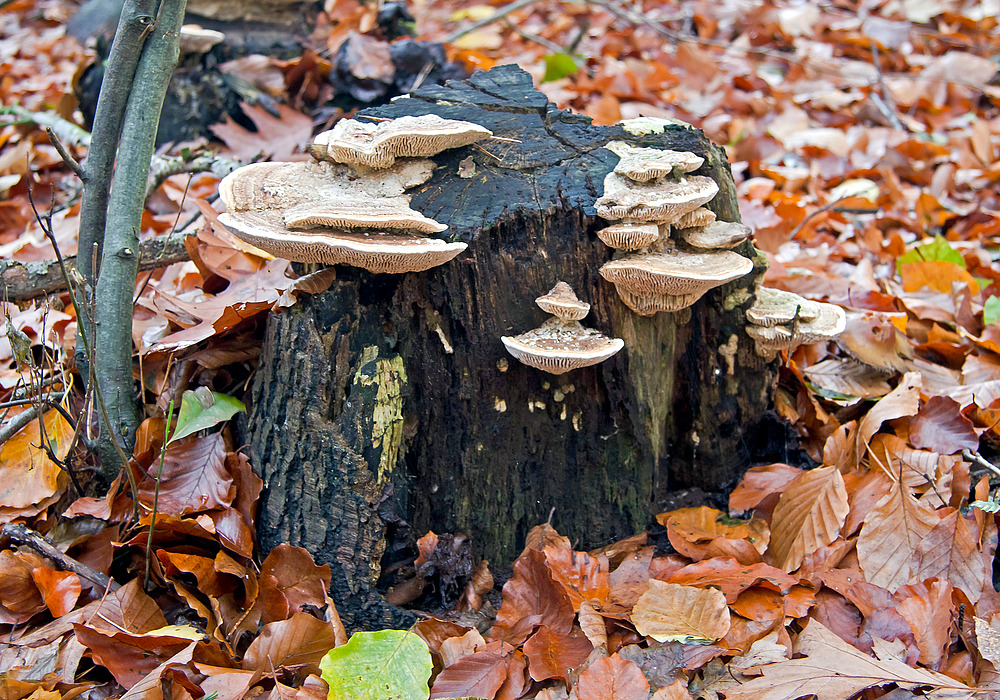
[864, 140]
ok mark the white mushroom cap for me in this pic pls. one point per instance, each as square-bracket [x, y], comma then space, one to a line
[645, 164]
[558, 346]
[628, 235]
[386, 213]
[671, 280]
[716, 235]
[774, 307]
[562, 302]
[195, 39]
[659, 201]
[375, 252]
[379, 144]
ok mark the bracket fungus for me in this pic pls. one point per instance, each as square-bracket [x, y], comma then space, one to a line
[379, 144]
[699, 217]
[562, 344]
[337, 210]
[717, 234]
[671, 279]
[645, 164]
[781, 320]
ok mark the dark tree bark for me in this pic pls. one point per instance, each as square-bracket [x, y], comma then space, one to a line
[392, 397]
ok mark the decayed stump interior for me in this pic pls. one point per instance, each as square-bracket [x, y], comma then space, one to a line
[390, 399]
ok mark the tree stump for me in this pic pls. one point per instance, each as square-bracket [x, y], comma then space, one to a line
[390, 399]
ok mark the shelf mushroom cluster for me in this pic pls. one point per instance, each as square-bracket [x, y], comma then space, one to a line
[349, 204]
[647, 193]
[781, 320]
[562, 343]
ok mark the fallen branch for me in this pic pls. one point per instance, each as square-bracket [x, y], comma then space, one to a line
[22, 281]
[19, 534]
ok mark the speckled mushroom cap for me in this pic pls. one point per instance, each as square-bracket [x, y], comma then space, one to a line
[629, 236]
[376, 252]
[662, 201]
[699, 217]
[379, 144]
[562, 302]
[557, 346]
[719, 234]
[645, 164]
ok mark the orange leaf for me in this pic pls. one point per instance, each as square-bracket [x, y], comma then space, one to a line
[939, 275]
[760, 482]
[61, 589]
[929, 616]
[27, 474]
[553, 655]
[613, 677]
[809, 514]
[731, 577]
[477, 675]
[301, 639]
[532, 598]
[950, 552]
[581, 576]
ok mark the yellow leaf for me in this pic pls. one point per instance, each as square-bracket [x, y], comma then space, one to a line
[672, 612]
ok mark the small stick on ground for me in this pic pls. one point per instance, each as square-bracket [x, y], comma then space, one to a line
[22, 535]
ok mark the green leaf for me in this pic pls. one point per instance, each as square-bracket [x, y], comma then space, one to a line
[938, 249]
[991, 310]
[386, 665]
[559, 65]
[987, 506]
[201, 409]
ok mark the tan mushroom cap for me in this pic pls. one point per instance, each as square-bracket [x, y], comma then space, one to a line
[659, 201]
[562, 302]
[645, 164]
[557, 346]
[782, 321]
[629, 236]
[774, 307]
[379, 144]
[388, 213]
[376, 252]
[699, 217]
[716, 235]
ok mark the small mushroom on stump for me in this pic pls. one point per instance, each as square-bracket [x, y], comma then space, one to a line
[562, 344]
[781, 320]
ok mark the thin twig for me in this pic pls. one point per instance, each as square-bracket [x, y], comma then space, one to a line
[22, 535]
[883, 101]
[976, 458]
[816, 212]
[14, 425]
[66, 156]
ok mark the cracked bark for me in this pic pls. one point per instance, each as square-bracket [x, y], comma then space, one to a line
[480, 443]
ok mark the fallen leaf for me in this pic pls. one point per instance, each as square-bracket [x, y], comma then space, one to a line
[809, 515]
[612, 677]
[672, 612]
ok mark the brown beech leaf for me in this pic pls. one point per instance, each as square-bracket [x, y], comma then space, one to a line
[532, 598]
[517, 677]
[151, 686]
[929, 616]
[671, 612]
[544, 536]
[731, 577]
[691, 530]
[301, 640]
[612, 677]
[675, 691]
[130, 657]
[60, 589]
[940, 427]
[454, 648]
[949, 552]
[872, 338]
[988, 640]
[902, 401]
[834, 670]
[289, 579]
[278, 137]
[593, 625]
[918, 468]
[194, 477]
[759, 483]
[809, 515]
[555, 655]
[888, 541]
[478, 675]
[582, 576]
[18, 591]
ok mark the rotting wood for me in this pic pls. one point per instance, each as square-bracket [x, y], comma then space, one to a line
[483, 444]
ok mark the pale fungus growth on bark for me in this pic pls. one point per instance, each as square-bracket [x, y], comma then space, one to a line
[629, 236]
[379, 144]
[782, 320]
[337, 209]
[663, 201]
[699, 217]
[716, 235]
[562, 344]
[645, 164]
[671, 280]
